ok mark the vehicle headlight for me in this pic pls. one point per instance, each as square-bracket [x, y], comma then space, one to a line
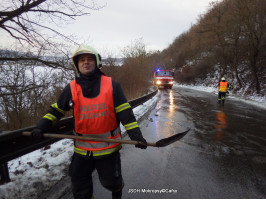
[158, 82]
[171, 82]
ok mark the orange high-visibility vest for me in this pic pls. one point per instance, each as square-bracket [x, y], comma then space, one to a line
[95, 116]
[223, 87]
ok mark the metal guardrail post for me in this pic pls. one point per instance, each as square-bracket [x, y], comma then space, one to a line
[4, 174]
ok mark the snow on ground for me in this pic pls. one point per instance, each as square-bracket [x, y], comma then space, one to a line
[40, 170]
[37, 171]
[259, 101]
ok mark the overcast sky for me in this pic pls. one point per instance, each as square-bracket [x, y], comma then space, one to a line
[121, 22]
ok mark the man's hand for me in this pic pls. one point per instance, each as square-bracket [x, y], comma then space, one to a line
[37, 133]
[142, 146]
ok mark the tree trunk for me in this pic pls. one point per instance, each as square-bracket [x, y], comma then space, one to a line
[237, 77]
[253, 65]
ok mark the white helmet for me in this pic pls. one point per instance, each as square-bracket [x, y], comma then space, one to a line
[85, 49]
[223, 79]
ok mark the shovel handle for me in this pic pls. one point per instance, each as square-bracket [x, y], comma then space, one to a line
[76, 137]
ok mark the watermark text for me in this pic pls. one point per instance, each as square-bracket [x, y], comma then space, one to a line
[152, 191]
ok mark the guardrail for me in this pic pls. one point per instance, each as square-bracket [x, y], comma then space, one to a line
[14, 145]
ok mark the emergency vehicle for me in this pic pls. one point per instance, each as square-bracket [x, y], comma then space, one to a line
[164, 78]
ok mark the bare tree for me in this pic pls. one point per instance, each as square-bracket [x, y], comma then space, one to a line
[24, 91]
[36, 22]
[253, 21]
[25, 20]
[231, 37]
[135, 69]
[14, 104]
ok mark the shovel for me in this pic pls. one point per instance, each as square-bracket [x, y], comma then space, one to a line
[160, 143]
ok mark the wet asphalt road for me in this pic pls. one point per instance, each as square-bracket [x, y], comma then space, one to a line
[223, 155]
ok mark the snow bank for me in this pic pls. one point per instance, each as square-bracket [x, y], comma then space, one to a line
[254, 99]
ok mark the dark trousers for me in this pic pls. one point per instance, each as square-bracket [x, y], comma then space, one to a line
[221, 97]
[109, 171]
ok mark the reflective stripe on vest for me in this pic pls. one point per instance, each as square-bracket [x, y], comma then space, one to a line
[98, 146]
[97, 153]
[223, 87]
[95, 116]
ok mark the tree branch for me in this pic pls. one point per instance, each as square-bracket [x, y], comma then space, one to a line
[24, 8]
[51, 64]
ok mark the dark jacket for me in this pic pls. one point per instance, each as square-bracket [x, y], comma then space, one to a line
[91, 88]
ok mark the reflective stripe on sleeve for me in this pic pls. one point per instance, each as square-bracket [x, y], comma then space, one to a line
[50, 117]
[131, 126]
[55, 106]
[122, 107]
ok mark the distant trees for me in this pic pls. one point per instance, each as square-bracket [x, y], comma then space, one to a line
[135, 73]
[252, 14]
[24, 91]
[229, 40]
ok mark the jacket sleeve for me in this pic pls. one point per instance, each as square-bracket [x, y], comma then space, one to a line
[229, 86]
[56, 111]
[124, 113]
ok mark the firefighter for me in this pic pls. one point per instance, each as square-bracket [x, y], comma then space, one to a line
[99, 105]
[223, 85]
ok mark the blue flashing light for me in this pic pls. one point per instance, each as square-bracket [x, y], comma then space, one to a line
[158, 70]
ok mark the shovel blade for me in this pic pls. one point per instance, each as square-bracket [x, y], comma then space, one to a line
[166, 141]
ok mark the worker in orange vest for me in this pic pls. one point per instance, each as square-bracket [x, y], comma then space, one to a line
[223, 86]
[99, 106]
